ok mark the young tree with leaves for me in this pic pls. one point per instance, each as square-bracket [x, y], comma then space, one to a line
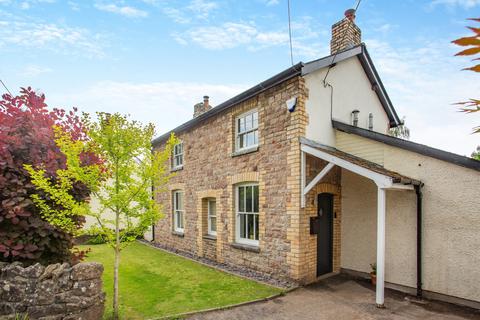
[126, 147]
[124, 188]
[476, 154]
[401, 131]
[473, 49]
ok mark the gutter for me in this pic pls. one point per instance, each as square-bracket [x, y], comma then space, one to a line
[418, 191]
[409, 145]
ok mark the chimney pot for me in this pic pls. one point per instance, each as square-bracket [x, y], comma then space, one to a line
[201, 107]
[206, 102]
[350, 14]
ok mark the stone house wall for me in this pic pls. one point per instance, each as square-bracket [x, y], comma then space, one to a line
[211, 171]
[54, 292]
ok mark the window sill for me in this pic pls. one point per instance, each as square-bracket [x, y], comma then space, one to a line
[210, 237]
[244, 151]
[176, 169]
[246, 247]
[178, 234]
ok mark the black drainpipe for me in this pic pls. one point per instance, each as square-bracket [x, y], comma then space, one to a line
[418, 191]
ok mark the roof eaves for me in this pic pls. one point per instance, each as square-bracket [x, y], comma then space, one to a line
[410, 146]
[377, 84]
[369, 165]
[287, 74]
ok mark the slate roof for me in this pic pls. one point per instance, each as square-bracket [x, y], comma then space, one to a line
[409, 145]
[372, 166]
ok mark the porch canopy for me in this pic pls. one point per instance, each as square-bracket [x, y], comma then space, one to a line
[383, 178]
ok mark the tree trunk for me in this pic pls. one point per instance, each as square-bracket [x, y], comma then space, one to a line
[117, 248]
[115, 268]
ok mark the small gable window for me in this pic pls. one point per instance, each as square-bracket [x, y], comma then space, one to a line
[177, 160]
[247, 131]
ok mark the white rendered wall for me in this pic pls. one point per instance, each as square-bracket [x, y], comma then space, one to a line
[351, 90]
[451, 224]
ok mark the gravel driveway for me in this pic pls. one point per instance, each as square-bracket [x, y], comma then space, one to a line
[340, 298]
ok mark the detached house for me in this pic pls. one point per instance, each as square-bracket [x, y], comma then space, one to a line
[297, 178]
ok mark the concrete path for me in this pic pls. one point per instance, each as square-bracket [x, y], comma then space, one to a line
[340, 298]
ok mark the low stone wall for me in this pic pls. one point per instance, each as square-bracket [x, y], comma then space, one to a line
[57, 291]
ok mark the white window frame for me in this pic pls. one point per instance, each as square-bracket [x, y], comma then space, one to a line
[237, 134]
[210, 216]
[175, 156]
[178, 225]
[238, 239]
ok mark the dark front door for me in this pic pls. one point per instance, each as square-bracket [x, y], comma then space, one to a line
[325, 234]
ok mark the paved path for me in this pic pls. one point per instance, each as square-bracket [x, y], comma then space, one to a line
[340, 298]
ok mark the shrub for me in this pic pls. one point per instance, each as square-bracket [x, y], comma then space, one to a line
[27, 137]
[96, 239]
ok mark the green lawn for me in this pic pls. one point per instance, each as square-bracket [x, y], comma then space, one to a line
[154, 283]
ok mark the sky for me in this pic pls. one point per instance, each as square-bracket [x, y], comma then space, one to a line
[154, 59]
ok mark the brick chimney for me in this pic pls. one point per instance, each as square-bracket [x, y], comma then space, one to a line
[345, 33]
[201, 107]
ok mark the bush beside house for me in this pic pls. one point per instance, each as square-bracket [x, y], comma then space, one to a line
[39, 272]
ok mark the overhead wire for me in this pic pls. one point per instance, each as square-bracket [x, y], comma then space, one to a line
[3, 84]
[290, 31]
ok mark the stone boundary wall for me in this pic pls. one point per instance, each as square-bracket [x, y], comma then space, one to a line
[54, 292]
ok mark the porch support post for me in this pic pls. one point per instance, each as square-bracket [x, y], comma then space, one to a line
[381, 208]
[303, 178]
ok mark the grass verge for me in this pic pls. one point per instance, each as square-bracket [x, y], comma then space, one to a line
[154, 283]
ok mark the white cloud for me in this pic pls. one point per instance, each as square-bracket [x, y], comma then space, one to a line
[202, 8]
[49, 36]
[385, 28]
[272, 2]
[25, 4]
[32, 71]
[167, 104]
[152, 2]
[272, 38]
[467, 4]
[226, 36]
[74, 5]
[308, 42]
[196, 9]
[176, 15]
[126, 11]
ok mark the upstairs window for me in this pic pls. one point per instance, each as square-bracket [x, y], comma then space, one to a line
[177, 161]
[178, 211]
[247, 130]
[247, 214]
[212, 217]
